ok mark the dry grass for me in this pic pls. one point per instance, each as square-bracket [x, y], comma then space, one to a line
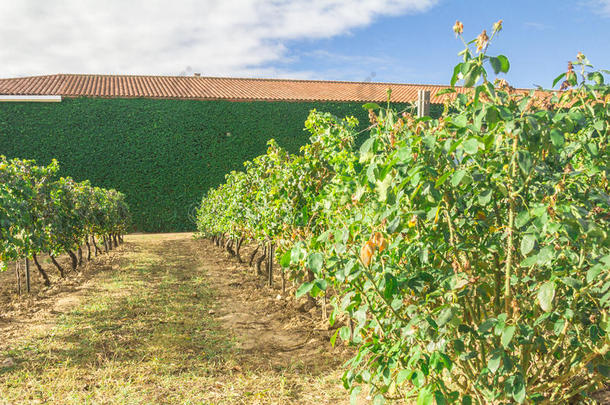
[148, 330]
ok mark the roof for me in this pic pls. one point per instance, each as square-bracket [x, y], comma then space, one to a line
[212, 88]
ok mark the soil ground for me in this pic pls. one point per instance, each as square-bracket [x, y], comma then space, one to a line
[163, 319]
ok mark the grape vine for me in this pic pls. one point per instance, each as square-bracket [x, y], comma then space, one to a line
[43, 213]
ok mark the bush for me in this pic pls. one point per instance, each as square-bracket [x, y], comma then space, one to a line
[470, 252]
[43, 213]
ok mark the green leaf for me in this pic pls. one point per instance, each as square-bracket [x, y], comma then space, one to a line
[321, 284]
[471, 78]
[597, 77]
[593, 272]
[456, 72]
[371, 106]
[546, 293]
[379, 399]
[353, 398]
[439, 397]
[558, 78]
[285, 260]
[344, 333]
[487, 325]
[390, 286]
[604, 370]
[296, 254]
[485, 197]
[525, 161]
[394, 225]
[418, 378]
[518, 389]
[592, 148]
[315, 262]
[333, 338]
[572, 282]
[471, 146]
[366, 152]
[493, 364]
[495, 64]
[370, 173]
[304, 289]
[492, 115]
[545, 256]
[557, 138]
[504, 63]
[441, 180]
[460, 120]
[527, 243]
[599, 124]
[457, 177]
[522, 219]
[425, 397]
[445, 91]
[402, 376]
[382, 188]
[444, 317]
[507, 335]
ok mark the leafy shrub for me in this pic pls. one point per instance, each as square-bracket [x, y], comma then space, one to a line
[42, 213]
[470, 253]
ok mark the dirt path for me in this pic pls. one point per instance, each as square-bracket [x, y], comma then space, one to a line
[167, 319]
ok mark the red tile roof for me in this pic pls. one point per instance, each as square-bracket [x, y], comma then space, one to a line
[211, 88]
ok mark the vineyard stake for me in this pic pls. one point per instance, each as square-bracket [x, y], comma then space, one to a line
[27, 274]
[18, 275]
[270, 263]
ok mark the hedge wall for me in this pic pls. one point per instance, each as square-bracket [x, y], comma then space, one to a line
[163, 154]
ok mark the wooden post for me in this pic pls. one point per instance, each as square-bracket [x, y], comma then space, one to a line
[270, 263]
[27, 274]
[423, 103]
[18, 275]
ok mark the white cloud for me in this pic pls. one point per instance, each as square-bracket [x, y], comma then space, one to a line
[214, 37]
[600, 7]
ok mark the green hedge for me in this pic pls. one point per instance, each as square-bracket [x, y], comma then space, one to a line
[163, 154]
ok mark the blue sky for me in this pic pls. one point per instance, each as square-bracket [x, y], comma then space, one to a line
[408, 41]
[539, 37]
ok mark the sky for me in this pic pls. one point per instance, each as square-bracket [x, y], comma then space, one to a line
[398, 41]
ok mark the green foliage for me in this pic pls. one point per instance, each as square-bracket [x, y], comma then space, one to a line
[471, 251]
[163, 154]
[43, 213]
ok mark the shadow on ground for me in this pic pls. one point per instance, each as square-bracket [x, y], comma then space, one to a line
[154, 330]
